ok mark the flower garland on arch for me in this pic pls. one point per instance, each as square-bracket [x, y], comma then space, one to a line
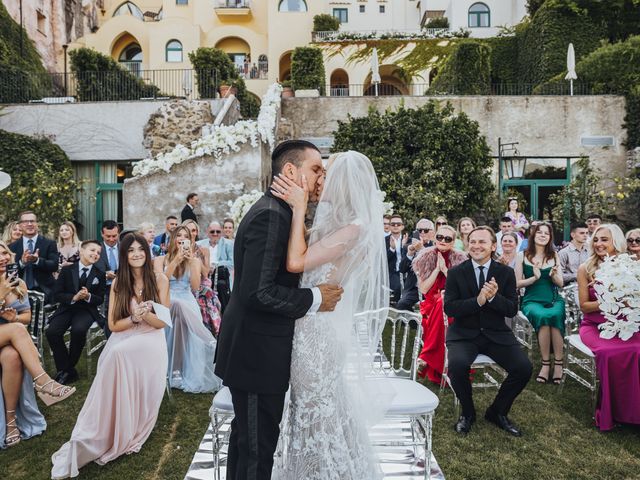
[222, 139]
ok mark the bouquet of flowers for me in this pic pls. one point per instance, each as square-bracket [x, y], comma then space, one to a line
[617, 285]
[241, 205]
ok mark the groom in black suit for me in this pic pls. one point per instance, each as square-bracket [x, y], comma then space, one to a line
[479, 294]
[256, 335]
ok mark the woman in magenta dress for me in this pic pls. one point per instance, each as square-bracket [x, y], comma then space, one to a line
[431, 267]
[122, 406]
[617, 360]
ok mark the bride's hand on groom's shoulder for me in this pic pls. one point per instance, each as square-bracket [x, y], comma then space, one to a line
[290, 192]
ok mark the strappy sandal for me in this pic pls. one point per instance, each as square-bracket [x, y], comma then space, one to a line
[558, 361]
[54, 393]
[13, 434]
[540, 378]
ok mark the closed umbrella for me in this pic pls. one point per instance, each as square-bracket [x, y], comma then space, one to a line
[571, 67]
[375, 70]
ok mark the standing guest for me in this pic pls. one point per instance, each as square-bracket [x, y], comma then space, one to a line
[520, 222]
[465, 225]
[20, 418]
[220, 248]
[68, 244]
[188, 210]
[509, 243]
[80, 290]
[148, 231]
[162, 240]
[479, 307]
[228, 228]
[440, 221]
[37, 256]
[593, 221]
[410, 295]
[191, 346]
[617, 360]
[575, 253]
[122, 406]
[538, 272]
[633, 242]
[506, 226]
[396, 248]
[12, 233]
[386, 221]
[432, 266]
[108, 262]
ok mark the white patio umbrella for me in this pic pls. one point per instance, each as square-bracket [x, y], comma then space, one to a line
[571, 67]
[5, 180]
[375, 70]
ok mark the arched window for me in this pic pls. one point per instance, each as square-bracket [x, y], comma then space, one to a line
[479, 15]
[128, 8]
[131, 58]
[173, 51]
[292, 6]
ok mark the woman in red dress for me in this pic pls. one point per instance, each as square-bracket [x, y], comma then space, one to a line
[431, 267]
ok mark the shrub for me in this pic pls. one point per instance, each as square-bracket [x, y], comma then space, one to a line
[439, 22]
[41, 180]
[307, 69]
[325, 23]
[100, 78]
[466, 71]
[429, 160]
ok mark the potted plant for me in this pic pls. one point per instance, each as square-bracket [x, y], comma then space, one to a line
[287, 91]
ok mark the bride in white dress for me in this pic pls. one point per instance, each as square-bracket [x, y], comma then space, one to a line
[324, 430]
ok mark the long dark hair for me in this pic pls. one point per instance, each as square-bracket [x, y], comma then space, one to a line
[123, 290]
[549, 251]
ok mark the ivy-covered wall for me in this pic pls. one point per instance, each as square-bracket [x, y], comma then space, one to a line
[466, 71]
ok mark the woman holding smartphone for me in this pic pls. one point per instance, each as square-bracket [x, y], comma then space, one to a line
[190, 344]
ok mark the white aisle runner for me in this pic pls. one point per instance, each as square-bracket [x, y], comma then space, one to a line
[398, 463]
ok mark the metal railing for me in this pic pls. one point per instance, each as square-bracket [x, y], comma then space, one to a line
[253, 71]
[233, 4]
[345, 35]
[117, 85]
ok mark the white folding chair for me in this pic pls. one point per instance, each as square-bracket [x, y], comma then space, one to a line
[524, 332]
[36, 326]
[221, 413]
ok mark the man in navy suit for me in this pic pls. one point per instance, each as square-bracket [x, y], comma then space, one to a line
[162, 240]
[108, 261]
[37, 256]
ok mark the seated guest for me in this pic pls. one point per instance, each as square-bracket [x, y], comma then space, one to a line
[80, 290]
[538, 272]
[432, 266]
[575, 253]
[410, 296]
[593, 221]
[20, 418]
[617, 360]
[479, 294]
[162, 240]
[12, 233]
[633, 242]
[220, 248]
[148, 231]
[465, 225]
[506, 226]
[37, 256]
[509, 243]
[396, 245]
[440, 221]
[228, 228]
[122, 406]
[386, 221]
[68, 244]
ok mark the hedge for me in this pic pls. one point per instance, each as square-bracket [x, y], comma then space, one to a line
[325, 23]
[307, 69]
[466, 71]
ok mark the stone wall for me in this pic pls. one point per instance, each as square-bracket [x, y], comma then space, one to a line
[543, 125]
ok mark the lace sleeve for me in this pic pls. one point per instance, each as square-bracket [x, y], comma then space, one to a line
[332, 247]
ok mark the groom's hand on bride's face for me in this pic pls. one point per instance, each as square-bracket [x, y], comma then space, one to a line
[331, 295]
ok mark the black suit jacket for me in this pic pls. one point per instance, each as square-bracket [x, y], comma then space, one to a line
[103, 261]
[47, 265]
[471, 319]
[256, 333]
[68, 284]
[392, 256]
[188, 214]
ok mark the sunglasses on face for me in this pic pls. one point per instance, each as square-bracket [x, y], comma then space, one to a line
[441, 223]
[215, 231]
[396, 224]
[444, 239]
[631, 241]
[424, 230]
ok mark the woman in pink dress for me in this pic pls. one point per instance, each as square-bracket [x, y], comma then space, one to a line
[617, 360]
[122, 406]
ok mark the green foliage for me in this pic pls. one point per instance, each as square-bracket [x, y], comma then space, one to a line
[466, 71]
[533, 6]
[307, 69]
[619, 18]
[505, 53]
[41, 180]
[439, 22]
[429, 160]
[325, 23]
[101, 78]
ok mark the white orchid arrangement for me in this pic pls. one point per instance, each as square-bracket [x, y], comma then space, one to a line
[424, 34]
[221, 139]
[241, 205]
[617, 286]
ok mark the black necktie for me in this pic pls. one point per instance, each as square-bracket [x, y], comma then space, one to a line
[83, 277]
[481, 279]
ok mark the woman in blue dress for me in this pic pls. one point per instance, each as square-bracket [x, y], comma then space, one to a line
[191, 345]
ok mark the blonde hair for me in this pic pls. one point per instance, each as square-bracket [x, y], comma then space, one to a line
[144, 226]
[465, 241]
[21, 289]
[447, 227]
[75, 241]
[619, 244]
[6, 236]
[631, 232]
[186, 224]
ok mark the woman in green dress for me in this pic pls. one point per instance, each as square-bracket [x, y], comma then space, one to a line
[538, 272]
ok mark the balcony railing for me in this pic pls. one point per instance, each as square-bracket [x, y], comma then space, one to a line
[254, 71]
[350, 35]
[233, 7]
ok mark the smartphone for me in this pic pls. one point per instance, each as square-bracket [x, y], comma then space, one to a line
[186, 244]
[12, 271]
[416, 234]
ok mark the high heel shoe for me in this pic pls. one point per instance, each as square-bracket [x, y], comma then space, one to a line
[13, 434]
[55, 392]
[540, 378]
[558, 362]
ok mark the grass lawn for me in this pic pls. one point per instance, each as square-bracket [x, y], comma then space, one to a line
[559, 440]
